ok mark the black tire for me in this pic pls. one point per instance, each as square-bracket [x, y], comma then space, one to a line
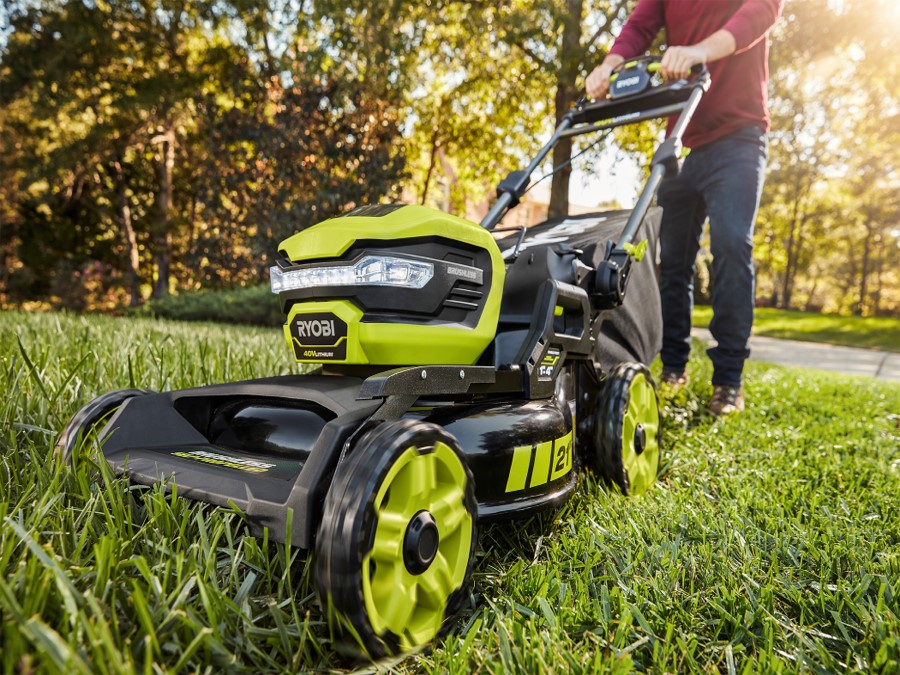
[86, 420]
[627, 433]
[396, 545]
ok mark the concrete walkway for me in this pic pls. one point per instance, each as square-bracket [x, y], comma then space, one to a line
[818, 356]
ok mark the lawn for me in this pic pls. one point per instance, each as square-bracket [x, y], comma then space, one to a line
[852, 331]
[771, 542]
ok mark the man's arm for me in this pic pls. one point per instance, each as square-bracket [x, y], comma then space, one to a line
[752, 22]
[637, 35]
[748, 26]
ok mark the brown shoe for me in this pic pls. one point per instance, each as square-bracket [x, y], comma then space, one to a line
[674, 379]
[726, 400]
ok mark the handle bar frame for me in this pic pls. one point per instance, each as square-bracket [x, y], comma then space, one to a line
[680, 97]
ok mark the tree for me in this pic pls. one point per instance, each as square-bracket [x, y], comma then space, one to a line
[832, 156]
[499, 77]
[143, 146]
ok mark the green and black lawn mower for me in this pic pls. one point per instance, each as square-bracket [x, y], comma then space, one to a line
[466, 373]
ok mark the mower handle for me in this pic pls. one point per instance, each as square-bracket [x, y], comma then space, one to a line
[680, 97]
[654, 65]
[652, 68]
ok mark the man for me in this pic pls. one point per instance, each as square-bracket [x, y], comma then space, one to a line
[721, 178]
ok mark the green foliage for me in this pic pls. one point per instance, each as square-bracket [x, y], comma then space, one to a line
[255, 305]
[497, 77]
[173, 143]
[770, 543]
[172, 146]
[852, 331]
[827, 234]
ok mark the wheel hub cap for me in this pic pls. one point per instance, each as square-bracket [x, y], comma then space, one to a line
[420, 544]
[640, 439]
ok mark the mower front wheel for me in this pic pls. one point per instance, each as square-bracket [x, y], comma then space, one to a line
[395, 548]
[627, 432]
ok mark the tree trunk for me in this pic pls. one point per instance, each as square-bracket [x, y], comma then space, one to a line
[570, 57]
[787, 287]
[879, 280]
[812, 292]
[795, 239]
[432, 160]
[864, 270]
[131, 246]
[848, 282]
[163, 232]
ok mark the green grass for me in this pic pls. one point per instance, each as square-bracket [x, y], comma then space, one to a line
[852, 331]
[771, 543]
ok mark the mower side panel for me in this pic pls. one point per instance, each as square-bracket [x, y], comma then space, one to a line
[520, 452]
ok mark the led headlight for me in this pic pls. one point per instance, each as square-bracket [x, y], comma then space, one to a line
[373, 270]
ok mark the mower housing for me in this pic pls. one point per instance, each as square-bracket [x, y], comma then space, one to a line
[451, 319]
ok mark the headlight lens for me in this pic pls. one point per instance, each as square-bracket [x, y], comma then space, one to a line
[369, 271]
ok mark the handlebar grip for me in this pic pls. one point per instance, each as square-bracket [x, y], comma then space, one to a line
[657, 66]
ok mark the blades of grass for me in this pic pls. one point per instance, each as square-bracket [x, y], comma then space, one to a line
[36, 429]
[145, 619]
[286, 582]
[71, 597]
[32, 370]
[175, 602]
[244, 591]
[210, 607]
[729, 660]
[10, 604]
[52, 646]
[131, 380]
[284, 635]
[191, 649]
[105, 636]
[72, 373]
[547, 611]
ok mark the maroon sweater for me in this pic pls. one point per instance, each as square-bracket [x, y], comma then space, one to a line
[737, 96]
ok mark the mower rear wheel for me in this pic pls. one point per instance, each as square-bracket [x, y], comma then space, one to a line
[627, 430]
[395, 548]
[90, 416]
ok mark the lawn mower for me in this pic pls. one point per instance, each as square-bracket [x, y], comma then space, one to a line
[464, 373]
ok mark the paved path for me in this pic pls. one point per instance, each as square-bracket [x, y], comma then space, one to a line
[846, 360]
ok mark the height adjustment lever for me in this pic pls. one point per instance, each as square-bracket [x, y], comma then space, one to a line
[611, 278]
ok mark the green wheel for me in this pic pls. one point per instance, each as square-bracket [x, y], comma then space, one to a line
[395, 548]
[627, 430]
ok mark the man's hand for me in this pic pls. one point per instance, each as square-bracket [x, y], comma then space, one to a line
[678, 61]
[597, 83]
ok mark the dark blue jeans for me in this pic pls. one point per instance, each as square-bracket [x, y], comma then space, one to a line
[723, 181]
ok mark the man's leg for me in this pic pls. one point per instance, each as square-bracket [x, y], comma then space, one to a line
[682, 224]
[734, 170]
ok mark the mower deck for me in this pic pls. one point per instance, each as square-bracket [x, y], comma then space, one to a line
[264, 445]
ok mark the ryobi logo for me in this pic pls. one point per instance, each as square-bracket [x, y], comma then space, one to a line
[318, 329]
[628, 81]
